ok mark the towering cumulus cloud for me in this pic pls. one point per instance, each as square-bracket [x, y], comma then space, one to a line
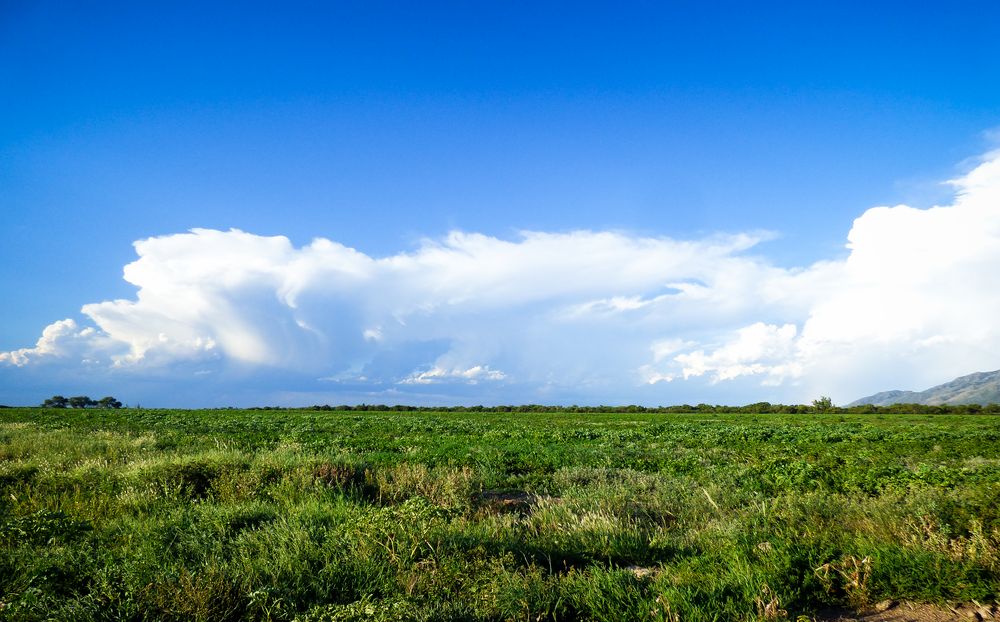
[561, 316]
[912, 303]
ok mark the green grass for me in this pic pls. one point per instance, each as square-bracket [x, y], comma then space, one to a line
[281, 515]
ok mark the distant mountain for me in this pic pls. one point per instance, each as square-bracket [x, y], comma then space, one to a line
[978, 388]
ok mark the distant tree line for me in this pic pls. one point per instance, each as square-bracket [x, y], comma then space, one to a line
[822, 405]
[81, 401]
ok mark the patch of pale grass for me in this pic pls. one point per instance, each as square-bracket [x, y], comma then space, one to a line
[442, 486]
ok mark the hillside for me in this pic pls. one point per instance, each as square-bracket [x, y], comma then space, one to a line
[978, 388]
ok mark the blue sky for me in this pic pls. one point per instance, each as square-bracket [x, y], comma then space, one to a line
[386, 128]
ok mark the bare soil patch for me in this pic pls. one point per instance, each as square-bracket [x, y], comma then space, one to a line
[891, 611]
[506, 501]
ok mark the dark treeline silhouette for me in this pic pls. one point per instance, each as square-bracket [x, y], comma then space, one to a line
[81, 401]
[821, 406]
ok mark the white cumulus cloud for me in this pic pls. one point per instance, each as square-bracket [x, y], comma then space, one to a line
[471, 375]
[756, 349]
[572, 316]
[63, 340]
[913, 302]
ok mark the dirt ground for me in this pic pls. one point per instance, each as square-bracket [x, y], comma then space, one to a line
[891, 611]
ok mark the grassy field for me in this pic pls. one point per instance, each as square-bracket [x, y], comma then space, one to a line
[280, 515]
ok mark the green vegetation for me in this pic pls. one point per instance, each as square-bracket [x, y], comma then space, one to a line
[361, 515]
[821, 405]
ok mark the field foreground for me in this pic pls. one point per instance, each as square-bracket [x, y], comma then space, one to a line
[280, 515]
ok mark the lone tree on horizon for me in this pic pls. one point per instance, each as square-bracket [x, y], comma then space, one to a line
[823, 403]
